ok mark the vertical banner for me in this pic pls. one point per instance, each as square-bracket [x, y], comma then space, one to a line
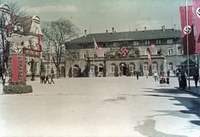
[149, 57]
[15, 69]
[23, 67]
[187, 29]
[40, 42]
[196, 4]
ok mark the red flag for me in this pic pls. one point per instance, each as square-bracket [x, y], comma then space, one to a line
[123, 51]
[153, 49]
[149, 56]
[196, 4]
[187, 29]
[40, 42]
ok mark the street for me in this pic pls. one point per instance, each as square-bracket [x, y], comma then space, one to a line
[109, 106]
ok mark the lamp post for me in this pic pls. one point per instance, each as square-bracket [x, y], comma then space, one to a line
[188, 56]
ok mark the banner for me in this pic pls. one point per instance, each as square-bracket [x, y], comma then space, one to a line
[40, 42]
[196, 4]
[98, 50]
[187, 29]
[123, 51]
[149, 56]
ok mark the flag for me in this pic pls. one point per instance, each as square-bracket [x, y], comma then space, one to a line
[153, 49]
[149, 56]
[187, 29]
[40, 42]
[100, 52]
[123, 51]
[96, 48]
[196, 4]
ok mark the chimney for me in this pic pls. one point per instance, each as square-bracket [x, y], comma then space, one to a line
[145, 28]
[85, 31]
[163, 28]
[174, 26]
[106, 31]
[113, 30]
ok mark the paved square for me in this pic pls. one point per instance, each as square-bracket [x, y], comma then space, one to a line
[111, 106]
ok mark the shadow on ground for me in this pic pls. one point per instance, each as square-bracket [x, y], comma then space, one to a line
[191, 103]
[147, 128]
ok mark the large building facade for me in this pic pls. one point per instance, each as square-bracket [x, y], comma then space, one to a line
[124, 53]
[20, 35]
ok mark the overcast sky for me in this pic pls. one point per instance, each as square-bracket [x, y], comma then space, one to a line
[100, 15]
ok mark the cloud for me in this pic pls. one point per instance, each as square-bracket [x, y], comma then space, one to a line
[52, 8]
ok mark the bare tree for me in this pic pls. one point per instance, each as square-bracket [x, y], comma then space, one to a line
[16, 12]
[56, 33]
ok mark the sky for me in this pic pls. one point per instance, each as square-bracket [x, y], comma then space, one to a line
[97, 16]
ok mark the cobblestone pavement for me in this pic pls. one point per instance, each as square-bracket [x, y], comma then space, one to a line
[120, 106]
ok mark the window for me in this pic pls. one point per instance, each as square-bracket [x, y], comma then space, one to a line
[170, 52]
[112, 68]
[147, 42]
[169, 41]
[170, 66]
[132, 67]
[92, 69]
[154, 67]
[179, 50]
[158, 42]
[135, 43]
[145, 68]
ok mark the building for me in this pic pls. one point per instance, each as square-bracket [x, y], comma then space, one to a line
[124, 53]
[20, 35]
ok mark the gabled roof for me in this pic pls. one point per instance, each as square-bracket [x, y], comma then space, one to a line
[129, 36]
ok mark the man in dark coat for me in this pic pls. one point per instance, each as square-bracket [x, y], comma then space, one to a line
[196, 78]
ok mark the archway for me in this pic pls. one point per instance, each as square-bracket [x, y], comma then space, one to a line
[62, 71]
[123, 69]
[100, 70]
[132, 69]
[76, 71]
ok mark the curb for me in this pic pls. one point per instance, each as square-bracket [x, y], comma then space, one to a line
[189, 91]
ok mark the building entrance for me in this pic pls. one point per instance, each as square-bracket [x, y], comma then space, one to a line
[123, 69]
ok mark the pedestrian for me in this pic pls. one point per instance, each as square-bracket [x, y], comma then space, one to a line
[47, 79]
[183, 80]
[167, 80]
[155, 76]
[137, 75]
[42, 77]
[52, 76]
[168, 73]
[196, 78]
[3, 78]
[179, 80]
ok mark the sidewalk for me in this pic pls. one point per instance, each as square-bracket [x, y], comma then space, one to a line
[193, 90]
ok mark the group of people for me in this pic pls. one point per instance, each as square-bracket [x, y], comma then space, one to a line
[182, 79]
[46, 78]
[162, 78]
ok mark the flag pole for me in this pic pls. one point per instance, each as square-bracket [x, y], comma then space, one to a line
[188, 56]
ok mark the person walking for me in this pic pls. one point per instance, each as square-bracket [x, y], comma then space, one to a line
[137, 75]
[196, 78]
[52, 76]
[155, 76]
[42, 77]
[47, 79]
[183, 80]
